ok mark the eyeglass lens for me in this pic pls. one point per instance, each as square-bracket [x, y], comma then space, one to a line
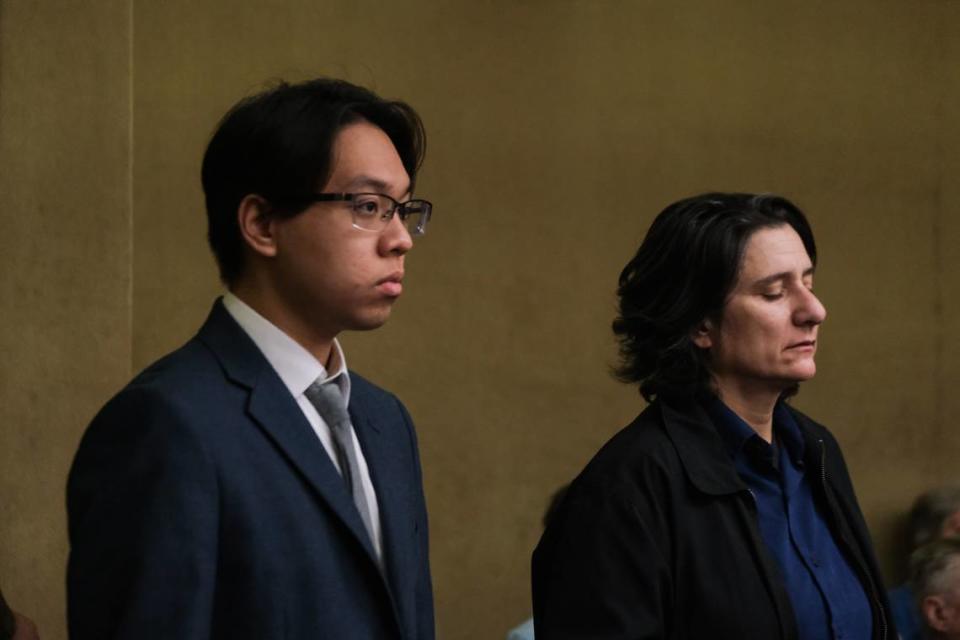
[373, 212]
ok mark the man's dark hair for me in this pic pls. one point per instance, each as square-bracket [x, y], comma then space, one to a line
[277, 144]
[681, 275]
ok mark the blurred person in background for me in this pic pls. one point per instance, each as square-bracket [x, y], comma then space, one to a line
[935, 579]
[934, 515]
[14, 626]
[524, 631]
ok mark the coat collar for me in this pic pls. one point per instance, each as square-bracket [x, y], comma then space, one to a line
[704, 455]
[701, 450]
[710, 469]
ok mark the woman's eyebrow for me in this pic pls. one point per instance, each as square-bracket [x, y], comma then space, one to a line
[783, 275]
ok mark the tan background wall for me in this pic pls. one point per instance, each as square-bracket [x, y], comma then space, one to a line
[65, 215]
[557, 130]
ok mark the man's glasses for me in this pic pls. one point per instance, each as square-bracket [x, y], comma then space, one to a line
[374, 211]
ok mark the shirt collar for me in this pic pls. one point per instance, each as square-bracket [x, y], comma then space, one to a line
[735, 432]
[295, 366]
[732, 429]
[788, 431]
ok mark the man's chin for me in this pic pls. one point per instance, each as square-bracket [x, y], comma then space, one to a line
[369, 322]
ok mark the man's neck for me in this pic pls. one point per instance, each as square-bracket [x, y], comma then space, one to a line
[267, 304]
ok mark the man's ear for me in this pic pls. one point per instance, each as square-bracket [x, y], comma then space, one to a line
[256, 225]
[932, 609]
[951, 525]
[702, 334]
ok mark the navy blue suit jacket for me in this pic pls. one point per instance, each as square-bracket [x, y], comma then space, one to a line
[202, 505]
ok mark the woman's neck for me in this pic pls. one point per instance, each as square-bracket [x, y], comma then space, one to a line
[753, 406]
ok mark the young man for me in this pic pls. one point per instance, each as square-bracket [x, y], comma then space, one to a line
[248, 485]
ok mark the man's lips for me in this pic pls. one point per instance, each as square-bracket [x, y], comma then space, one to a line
[803, 344]
[392, 285]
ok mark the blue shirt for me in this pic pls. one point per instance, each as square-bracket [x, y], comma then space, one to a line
[828, 600]
[905, 613]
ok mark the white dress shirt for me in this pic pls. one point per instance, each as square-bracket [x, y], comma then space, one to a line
[298, 369]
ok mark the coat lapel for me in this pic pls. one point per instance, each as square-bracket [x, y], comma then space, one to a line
[276, 412]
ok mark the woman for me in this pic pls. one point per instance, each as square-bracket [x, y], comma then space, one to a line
[721, 512]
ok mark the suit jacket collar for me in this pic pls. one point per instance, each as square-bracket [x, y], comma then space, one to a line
[273, 408]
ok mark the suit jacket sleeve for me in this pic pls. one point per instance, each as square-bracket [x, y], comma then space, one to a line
[142, 510]
[600, 569]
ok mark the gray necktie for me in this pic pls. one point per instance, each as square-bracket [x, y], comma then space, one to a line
[328, 401]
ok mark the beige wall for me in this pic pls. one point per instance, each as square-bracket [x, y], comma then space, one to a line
[65, 338]
[556, 132]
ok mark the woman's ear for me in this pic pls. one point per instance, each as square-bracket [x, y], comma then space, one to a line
[256, 225]
[702, 335]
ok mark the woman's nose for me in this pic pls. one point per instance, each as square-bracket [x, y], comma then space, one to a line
[810, 310]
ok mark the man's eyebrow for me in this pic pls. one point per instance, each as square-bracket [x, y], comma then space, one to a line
[783, 275]
[369, 182]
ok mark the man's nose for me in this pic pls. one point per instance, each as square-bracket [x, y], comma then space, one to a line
[395, 238]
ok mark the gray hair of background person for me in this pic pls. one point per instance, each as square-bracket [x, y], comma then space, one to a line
[932, 569]
[930, 512]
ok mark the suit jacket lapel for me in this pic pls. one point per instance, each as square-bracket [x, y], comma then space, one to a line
[276, 412]
[280, 417]
[385, 473]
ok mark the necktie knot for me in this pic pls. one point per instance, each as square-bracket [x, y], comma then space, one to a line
[329, 403]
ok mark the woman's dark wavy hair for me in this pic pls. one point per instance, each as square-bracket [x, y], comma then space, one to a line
[278, 145]
[683, 273]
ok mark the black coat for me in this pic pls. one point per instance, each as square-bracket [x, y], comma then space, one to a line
[658, 538]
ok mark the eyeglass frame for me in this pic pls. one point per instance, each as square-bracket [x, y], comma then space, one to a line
[401, 208]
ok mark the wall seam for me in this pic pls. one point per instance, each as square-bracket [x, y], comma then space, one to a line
[130, 190]
[939, 317]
